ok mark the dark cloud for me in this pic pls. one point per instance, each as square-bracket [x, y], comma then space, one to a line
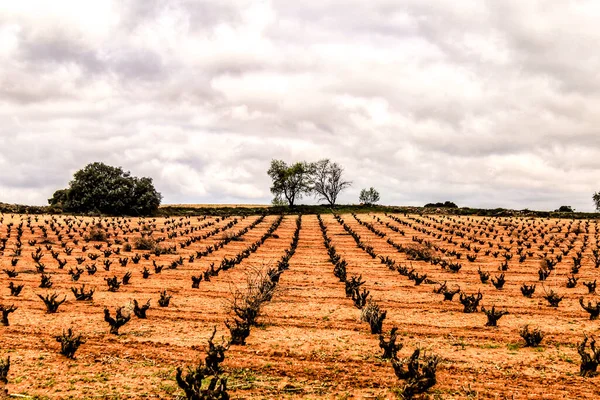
[50, 49]
[485, 103]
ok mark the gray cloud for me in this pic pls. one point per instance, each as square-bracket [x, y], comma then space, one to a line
[485, 103]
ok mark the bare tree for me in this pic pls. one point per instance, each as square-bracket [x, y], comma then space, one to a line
[328, 181]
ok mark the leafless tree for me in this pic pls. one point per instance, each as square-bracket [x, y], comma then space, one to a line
[328, 181]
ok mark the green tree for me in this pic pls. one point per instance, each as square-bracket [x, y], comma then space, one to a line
[290, 182]
[109, 190]
[596, 198]
[446, 204]
[369, 196]
[59, 198]
[327, 180]
[565, 209]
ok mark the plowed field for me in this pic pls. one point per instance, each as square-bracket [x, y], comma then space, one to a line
[310, 341]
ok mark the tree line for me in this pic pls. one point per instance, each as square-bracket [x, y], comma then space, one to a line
[104, 189]
[322, 179]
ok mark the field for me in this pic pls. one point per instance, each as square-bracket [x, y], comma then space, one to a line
[310, 341]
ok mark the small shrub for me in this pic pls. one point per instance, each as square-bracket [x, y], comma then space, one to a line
[81, 294]
[5, 310]
[553, 298]
[450, 293]
[11, 273]
[593, 310]
[196, 281]
[96, 234]
[4, 367]
[543, 274]
[91, 269]
[75, 273]
[589, 361]
[146, 273]
[527, 290]
[374, 316]
[69, 343]
[483, 276]
[591, 286]
[143, 243]
[15, 290]
[470, 302]
[118, 321]
[353, 284]
[216, 354]
[239, 331]
[389, 347]
[499, 281]
[194, 380]
[572, 282]
[164, 299]
[113, 283]
[360, 299]
[532, 338]
[140, 312]
[246, 304]
[493, 316]
[45, 281]
[339, 270]
[416, 277]
[418, 371]
[51, 303]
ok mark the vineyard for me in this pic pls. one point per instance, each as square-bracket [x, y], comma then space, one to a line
[487, 307]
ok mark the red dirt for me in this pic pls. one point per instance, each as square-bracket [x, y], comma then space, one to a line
[311, 342]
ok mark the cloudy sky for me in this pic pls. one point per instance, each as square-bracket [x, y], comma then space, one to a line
[486, 103]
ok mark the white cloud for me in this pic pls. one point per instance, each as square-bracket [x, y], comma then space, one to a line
[485, 103]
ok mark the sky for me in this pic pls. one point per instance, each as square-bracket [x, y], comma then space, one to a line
[485, 103]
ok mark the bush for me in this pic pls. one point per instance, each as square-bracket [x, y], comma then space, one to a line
[118, 321]
[374, 316]
[589, 359]
[100, 188]
[4, 367]
[389, 347]
[419, 372]
[568, 209]
[470, 302]
[96, 234]
[231, 237]
[69, 343]
[51, 302]
[204, 382]
[446, 204]
[492, 315]
[5, 310]
[144, 243]
[246, 304]
[533, 337]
